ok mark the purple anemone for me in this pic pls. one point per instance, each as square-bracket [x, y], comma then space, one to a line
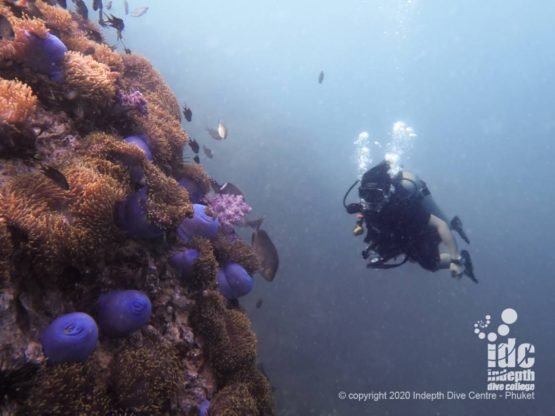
[234, 281]
[121, 312]
[200, 225]
[203, 408]
[193, 189]
[46, 56]
[131, 217]
[70, 338]
[183, 262]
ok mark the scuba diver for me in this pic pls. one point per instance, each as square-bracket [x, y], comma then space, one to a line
[402, 219]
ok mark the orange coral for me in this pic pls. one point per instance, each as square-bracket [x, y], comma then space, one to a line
[34, 206]
[17, 101]
[56, 18]
[234, 400]
[100, 52]
[90, 79]
[168, 203]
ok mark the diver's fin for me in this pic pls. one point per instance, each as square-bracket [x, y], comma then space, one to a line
[457, 225]
[468, 266]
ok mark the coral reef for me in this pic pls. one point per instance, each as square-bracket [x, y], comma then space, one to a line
[229, 209]
[68, 389]
[107, 256]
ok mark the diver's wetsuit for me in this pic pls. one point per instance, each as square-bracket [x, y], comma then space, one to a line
[402, 225]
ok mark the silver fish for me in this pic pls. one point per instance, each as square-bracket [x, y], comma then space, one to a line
[321, 77]
[109, 4]
[213, 133]
[126, 6]
[222, 130]
[139, 11]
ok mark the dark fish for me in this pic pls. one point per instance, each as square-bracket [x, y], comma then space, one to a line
[187, 113]
[266, 252]
[97, 5]
[196, 159]
[116, 23]
[55, 175]
[6, 30]
[321, 77]
[127, 51]
[207, 152]
[255, 223]
[213, 133]
[126, 6]
[226, 188]
[138, 12]
[89, 51]
[81, 9]
[194, 145]
[259, 303]
[62, 3]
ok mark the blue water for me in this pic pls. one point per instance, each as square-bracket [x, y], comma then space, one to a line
[476, 82]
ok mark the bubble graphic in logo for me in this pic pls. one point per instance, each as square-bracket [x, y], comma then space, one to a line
[503, 330]
[509, 316]
[492, 337]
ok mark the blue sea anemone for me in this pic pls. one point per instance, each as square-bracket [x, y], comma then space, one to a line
[193, 189]
[46, 55]
[121, 312]
[234, 281]
[69, 338]
[201, 225]
[203, 408]
[131, 217]
[141, 143]
[183, 262]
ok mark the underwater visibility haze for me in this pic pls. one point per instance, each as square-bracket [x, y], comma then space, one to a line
[291, 102]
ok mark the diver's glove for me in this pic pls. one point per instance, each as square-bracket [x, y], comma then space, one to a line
[456, 267]
[353, 208]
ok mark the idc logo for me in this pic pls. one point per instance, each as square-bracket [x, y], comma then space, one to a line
[509, 363]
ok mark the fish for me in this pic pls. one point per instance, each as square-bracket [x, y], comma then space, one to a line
[55, 175]
[254, 223]
[62, 3]
[222, 130]
[187, 113]
[196, 159]
[97, 5]
[266, 252]
[138, 12]
[126, 7]
[259, 303]
[226, 188]
[194, 145]
[321, 77]
[127, 51]
[116, 23]
[213, 133]
[109, 4]
[207, 152]
[81, 9]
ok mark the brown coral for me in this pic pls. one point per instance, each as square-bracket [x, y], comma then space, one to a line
[17, 101]
[102, 53]
[168, 203]
[196, 174]
[162, 124]
[229, 339]
[238, 252]
[145, 379]
[91, 80]
[6, 250]
[234, 400]
[205, 267]
[68, 389]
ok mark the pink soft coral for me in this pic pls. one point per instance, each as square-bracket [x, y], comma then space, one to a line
[229, 209]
